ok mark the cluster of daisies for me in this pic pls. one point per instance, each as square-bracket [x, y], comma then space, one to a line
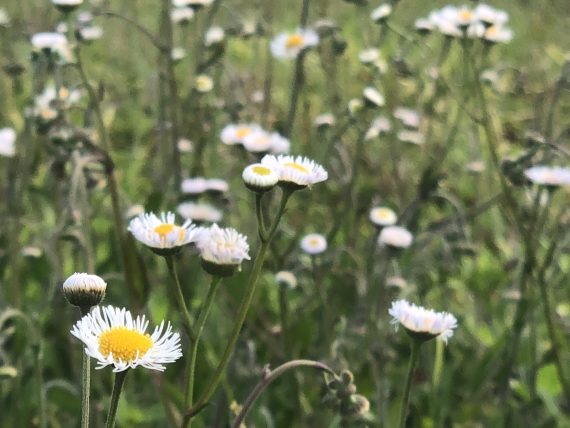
[201, 197]
[254, 139]
[483, 22]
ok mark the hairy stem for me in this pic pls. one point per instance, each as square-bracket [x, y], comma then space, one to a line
[411, 368]
[117, 389]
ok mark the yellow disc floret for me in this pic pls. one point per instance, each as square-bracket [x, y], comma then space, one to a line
[297, 166]
[294, 41]
[125, 344]
[261, 170]
[164, 229]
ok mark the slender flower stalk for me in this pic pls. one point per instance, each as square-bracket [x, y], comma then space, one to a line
[117, 389]
[85, 383]
[416, 344]
[187, 319]
[204, 312]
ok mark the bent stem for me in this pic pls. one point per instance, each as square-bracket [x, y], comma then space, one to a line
[180, 297]
[271, 375]
[406, 397]
[117, 389]
[244, 307]
[204, 312]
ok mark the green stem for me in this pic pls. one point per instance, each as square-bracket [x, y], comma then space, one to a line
[284, 315]
[117, 388]
[406, 397]
[85, 382]
[260, 219]
[244, 307]
[199, 328]
[180, 297]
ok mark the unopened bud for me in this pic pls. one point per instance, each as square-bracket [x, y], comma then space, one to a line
[84, 290]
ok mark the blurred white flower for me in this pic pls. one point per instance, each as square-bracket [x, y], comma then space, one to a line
[204, 83]
[4, 18]
[378, 126]
[382, 216]
[396, 237]
[259, 178]
[489, 15]
[217, 185]
[91, 33]
[424, 25]
[178, 54]
[7, 142]
[261, 141]
[236, 133]
[194, 186]
[162, 233]
[185, 145]
[498, 34]
[413, 137]
[420, 323]
[373, 97]
[369, 56]
[409, 118]
[324, 120]
[286, 278]
[113, 337]
[49, 41]
[381, 13]
[214, 36]
[181, 15]
[548, 176]
[289, 45]
[313, 244]
[298, 172]
[199, 212]
[66, 5]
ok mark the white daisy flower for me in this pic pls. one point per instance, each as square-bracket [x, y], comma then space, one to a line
[214, 36]
[444, 20]
[67, 6]
[369, 56]
[84, 290]
[420, 323]
[199, 212]
[424, 25]
[324, 120]
[195, 4]
[476, 30]
[313, 244]
[489, 15]
[49, 41]
[178, 54]
[162, 234]
[413, 137]
[259, 178]
[355, 106]
[296, 172]
[222, 250]
[113, 337]
[289, 45]
[4, 18]
[465, 16]
[382, 216]
[409, 118]
[395, 237]
[257, 142]
[286, 278]
[181, 15]
[279, 144]
[204, 83]
[236, 133]
[90, 33]
[373, 97]
[217, 185]
[498, 34]
[7, 142]
[381, 13]
[185, 145]
[378, 126]
[548, 176]
[194, 186]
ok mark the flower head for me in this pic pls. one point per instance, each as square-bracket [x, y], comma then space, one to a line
[7, 142]
[259, 177]
[113, 337]
[313, 244]
[84, 290]
[548, 176]
[286, 278]
[66, 6]
[289, 45]
[381, 13]
[236, 133]
[382, 216]
[222, 250]
[420, 323]
[296, 172]
[162, 234]
[199, 212]
[395, 237]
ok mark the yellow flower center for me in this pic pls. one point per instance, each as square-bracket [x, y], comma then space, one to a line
[297, 166]
[63, 93]
[164, 229]
[261, 170]
[314, 242]
[466, 15]
[124, 344]
[294, 41]
[243, 132]
[492, 31]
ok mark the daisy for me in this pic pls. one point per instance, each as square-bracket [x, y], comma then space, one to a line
[194, 186]
[258, 141]
[259, 178]
[409, 118]
[217, 185]
[199, 212]
[236, 133]
[66, 6]
[84, 290]
[181, 15]
[498, 34]
[90, 33]
[113, 337]
[369, 56]
[381, 13]
[296, 172]
[161, 233]
[382, 216]
[48, 41]
[420, 323]
[4, 18]
[178, 54]
[313, 244]
[204, 83]
[289, 45]
[424, 25]
[324, 120]
[489, 15]
[378, 126]
[373, 97]
[214, 36]
[548, 176]
[413, 137]
[7, 142]
[222, 250]
[395, 237]
[286, 278]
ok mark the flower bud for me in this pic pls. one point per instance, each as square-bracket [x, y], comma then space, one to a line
[84, 290]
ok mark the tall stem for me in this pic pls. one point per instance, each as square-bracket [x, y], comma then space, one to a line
[406, 397]
[199, 328]
[180, 297]
[117, 389]
[85, 382]
[244, 307]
